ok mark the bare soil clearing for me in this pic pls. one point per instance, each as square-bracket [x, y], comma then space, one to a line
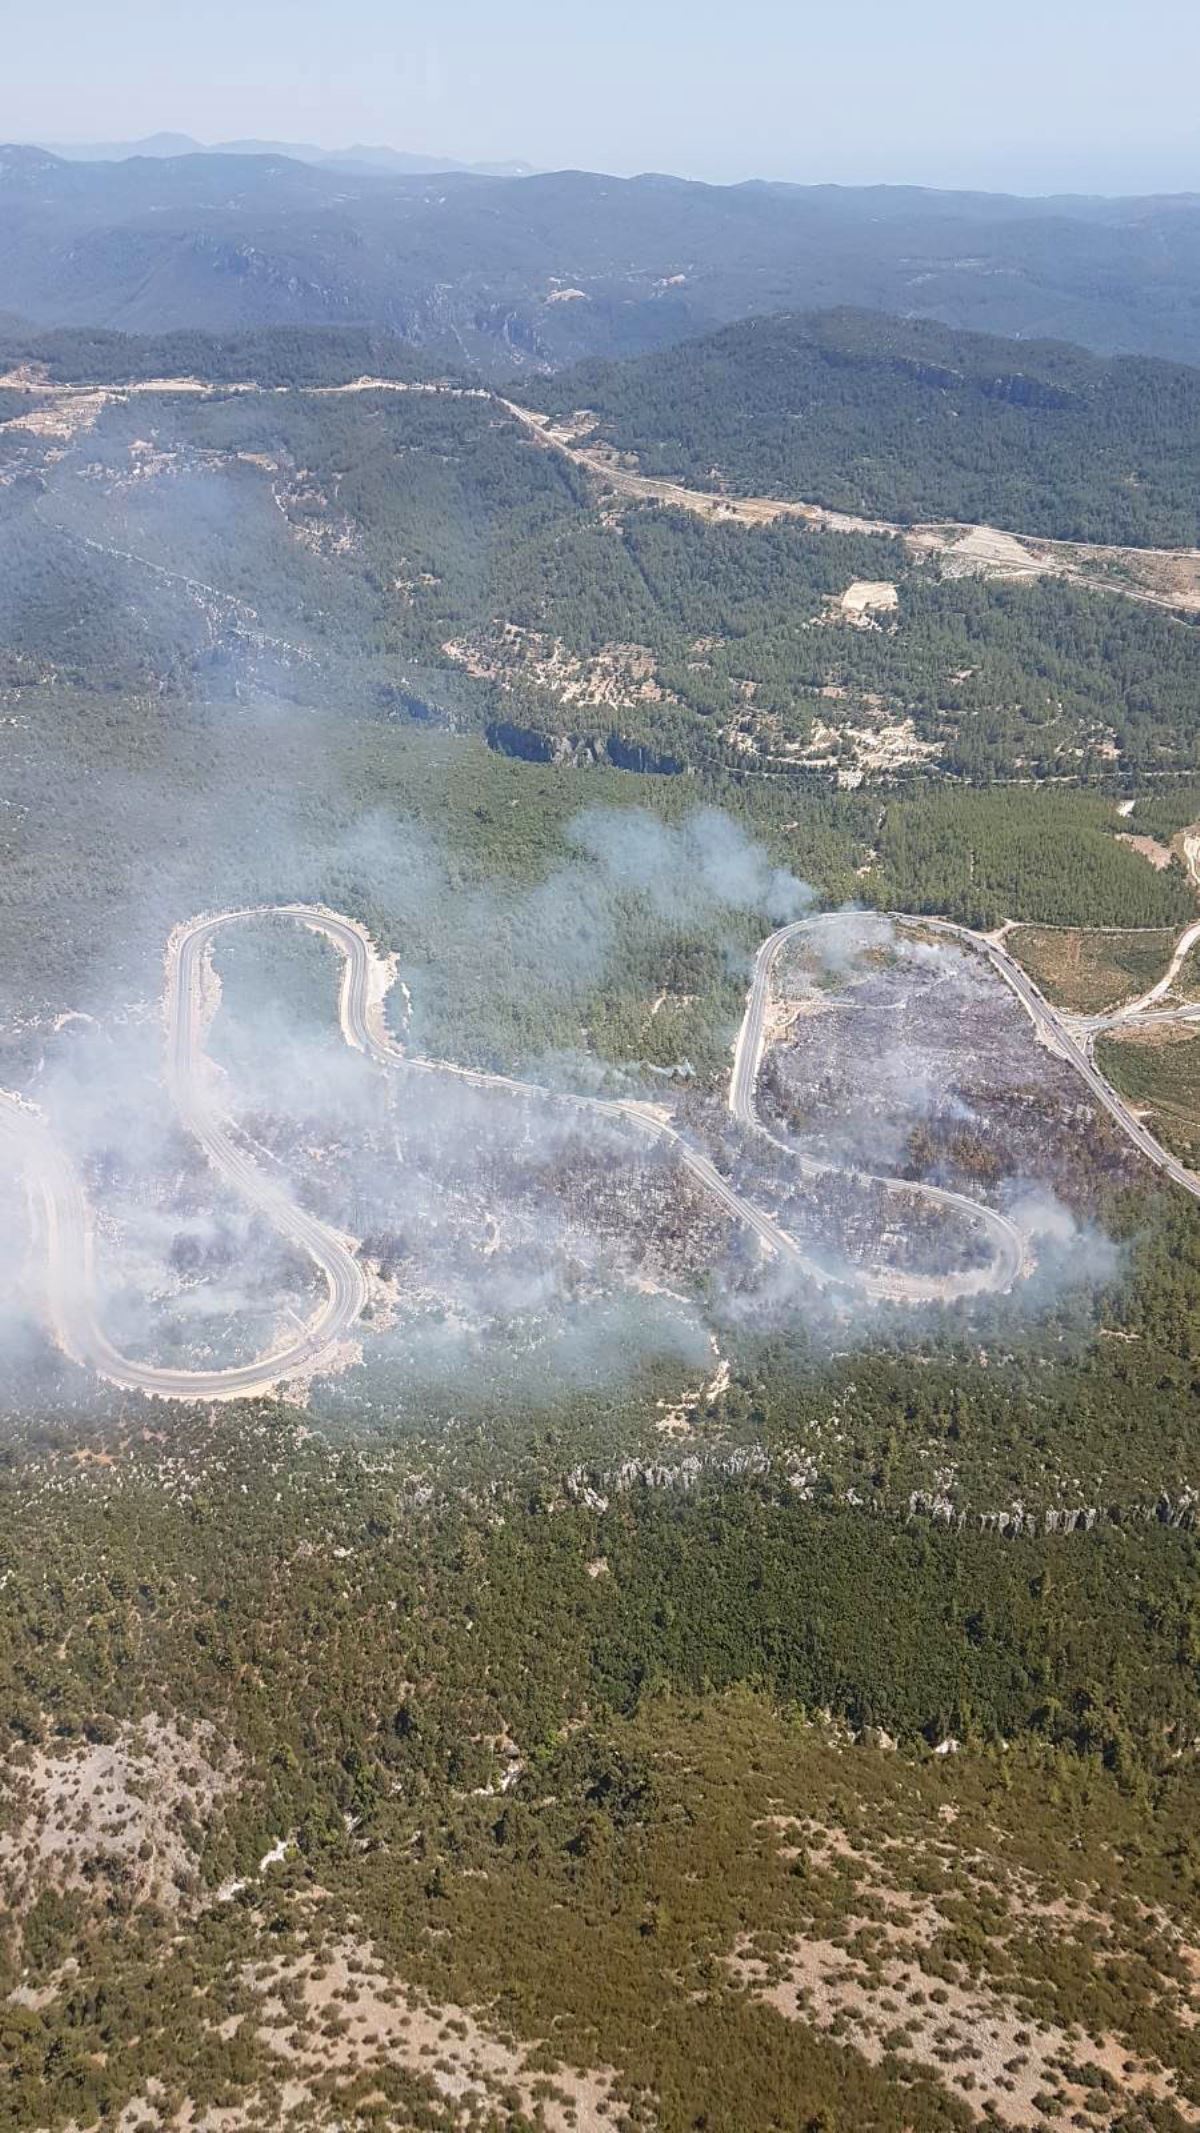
[980, 2043]
[1159, 855]
[867, 597]
[619, 676]
[381, 2024]
[888, 1967]
[103, 1811]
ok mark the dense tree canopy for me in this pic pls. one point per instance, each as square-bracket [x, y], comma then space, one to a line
[907, 419]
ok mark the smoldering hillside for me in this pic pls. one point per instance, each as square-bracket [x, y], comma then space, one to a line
[201, 714]
[487, 1216]
[899, 1051]
[515, 1241]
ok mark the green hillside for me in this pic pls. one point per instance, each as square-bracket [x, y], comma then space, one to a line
[418, 552]
[906, 419]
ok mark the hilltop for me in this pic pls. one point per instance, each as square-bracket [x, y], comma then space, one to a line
[906, 419]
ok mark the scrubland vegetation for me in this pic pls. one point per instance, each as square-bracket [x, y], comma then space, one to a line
[1088, 971]
[647, 1680]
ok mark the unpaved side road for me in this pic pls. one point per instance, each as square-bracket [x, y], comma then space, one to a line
[1146, 1003]
[1168, 578]
[1161, 577]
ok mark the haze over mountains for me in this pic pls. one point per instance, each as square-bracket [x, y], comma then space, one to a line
[395, 162]
[542, 270]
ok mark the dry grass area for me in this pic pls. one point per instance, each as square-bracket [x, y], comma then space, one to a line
[117, 1812]
[62, 420]
[866, 598]
[1186, 987]
[1159, 855]
[1157, 1068]
[1090, 972]
[341, 2015]
[898, 1976]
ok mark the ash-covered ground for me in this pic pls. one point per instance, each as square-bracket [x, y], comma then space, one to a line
[510, 1233]
[501, 1227]
[186, 1272]
[894, 1050]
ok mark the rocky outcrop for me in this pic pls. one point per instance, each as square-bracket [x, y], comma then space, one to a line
[1014, 1522]
[532, 745]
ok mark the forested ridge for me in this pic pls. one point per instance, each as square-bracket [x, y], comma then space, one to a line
[906, 420]
[267, 356]
[418, 549]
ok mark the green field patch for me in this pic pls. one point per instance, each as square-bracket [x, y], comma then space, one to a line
[1087, 971]
[1159, 1070]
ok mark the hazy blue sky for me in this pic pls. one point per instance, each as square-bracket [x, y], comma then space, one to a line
[1033, 95]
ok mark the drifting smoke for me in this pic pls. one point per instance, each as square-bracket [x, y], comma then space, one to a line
[488, 1215]
[501, 1227]
[187, 1274]
[876, 1079]
[707, 864]
[1070, 1254]
[918, 1063]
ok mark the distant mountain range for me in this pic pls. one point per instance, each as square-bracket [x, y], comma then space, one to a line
[385, 162]
[535, 272]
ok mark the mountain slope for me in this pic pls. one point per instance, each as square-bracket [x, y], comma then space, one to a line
[547, 269]
[360, 157]
[909, 420]
[421, 551]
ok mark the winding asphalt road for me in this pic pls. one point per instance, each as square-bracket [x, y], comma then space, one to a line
[66, 1231]
[64, 1223]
